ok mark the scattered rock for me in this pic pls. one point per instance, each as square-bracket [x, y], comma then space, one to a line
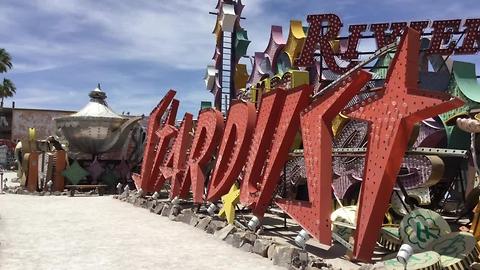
[287, 256]
[224, 232]
[271, 251]
[318, 263]
[203, 223]
[166, 210]
[57, 193]
[115, 196]
[237, 240]
[187, 211]
[131, 199]
[200, 215]
[185, 216]
[151, 204]
[261, 246]
[215, 225]
[193, 220]
[249, 237]
[158, 209]
[247, 247]
[174, 212]
[123, 196]
[377, 266]
[300, 261]
[139, 201]
[177, 218]
[229, 239]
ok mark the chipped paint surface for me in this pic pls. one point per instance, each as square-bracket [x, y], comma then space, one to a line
[41, 120]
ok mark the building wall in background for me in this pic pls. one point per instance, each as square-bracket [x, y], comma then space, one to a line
[41, 120]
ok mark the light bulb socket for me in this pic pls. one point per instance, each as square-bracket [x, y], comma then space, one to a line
[302, 238]
[211, 209]
[404, 254]
[254, 223]
[176, 200]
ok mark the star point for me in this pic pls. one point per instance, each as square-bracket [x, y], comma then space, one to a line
[230, 200]
[392, 116]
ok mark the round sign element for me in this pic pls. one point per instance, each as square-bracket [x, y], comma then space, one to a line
[347, 215]
[457, 250]
[429, 260]
[390, 238]
[421, 226]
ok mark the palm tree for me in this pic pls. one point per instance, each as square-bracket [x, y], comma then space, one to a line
[7, 88]
[5, 61]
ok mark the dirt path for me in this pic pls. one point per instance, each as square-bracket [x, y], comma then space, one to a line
[102, 233]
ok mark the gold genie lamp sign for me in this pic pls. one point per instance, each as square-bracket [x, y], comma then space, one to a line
[96, 128]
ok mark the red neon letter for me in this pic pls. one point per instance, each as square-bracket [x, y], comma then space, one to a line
[314, 216]
[419, 26]
[353, 39]
[207, 136]
[175, 164]
[316, 37]
[261, 183]
[442, 30]
[382, 38]
[262, 138]
[234, 148]
[144, 180]
[472, 35]
[165, 136]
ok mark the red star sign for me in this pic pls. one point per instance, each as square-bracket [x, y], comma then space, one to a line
[392, 115]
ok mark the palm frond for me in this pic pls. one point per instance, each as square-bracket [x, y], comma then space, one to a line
[7, 89]
[5, 61]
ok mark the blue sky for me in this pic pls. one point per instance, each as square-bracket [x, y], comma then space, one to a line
[139, 49]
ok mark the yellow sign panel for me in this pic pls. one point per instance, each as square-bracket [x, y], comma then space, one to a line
[296, 38]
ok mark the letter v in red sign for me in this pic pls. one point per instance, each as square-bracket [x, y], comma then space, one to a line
[277, 148]
[316, 124]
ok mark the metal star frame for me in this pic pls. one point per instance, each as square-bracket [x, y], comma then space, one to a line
[392, 115]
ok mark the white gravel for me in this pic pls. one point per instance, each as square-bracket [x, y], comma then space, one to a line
[102, 233]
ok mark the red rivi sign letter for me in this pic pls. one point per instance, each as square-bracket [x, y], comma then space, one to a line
[381, 37]
[207, 137]
[472, 30]
[234, 148]
[315, 38]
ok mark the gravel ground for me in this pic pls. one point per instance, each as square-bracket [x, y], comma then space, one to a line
[102, 233]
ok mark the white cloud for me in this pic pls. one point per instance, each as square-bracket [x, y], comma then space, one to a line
[52, 34]
[172, 33]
